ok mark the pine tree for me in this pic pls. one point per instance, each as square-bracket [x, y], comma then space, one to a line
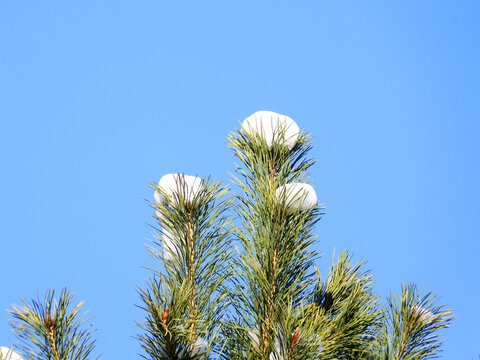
[237, 275]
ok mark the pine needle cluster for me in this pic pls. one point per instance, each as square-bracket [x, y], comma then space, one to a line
[52, 329]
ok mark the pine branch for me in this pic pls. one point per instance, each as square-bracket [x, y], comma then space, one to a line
[194, 250]
[275, 238]
[414, 321]
[163, 336]
[52, 329]
[351, 311]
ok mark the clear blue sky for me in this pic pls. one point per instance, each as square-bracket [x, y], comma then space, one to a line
[100, 98]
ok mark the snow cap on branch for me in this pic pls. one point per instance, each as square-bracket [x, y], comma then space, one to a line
[272, 127]
[198, 347]
[423, 314]
[174, 183]
[170, 245]
[8, 354]
[254, 337]
[298, 196]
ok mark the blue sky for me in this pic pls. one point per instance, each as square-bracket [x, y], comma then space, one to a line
[98, 99]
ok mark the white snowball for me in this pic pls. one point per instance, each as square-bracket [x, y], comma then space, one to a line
[199, 347]
[424, 314]
[254, 337]
[298, 196]
[170, 245]
[159, 198]
[172, 183]
[270, 124]
[273, 356]
[12, 355]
